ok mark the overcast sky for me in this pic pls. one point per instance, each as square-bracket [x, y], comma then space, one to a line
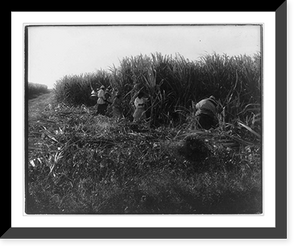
[54, 52]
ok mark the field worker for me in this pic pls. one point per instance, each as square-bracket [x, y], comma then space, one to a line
[102, 102]
[207, 110]
[117, 106]
[140, 107]
[107, 96]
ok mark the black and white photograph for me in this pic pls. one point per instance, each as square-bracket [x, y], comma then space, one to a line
[144, 119]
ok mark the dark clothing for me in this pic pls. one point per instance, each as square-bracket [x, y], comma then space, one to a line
[207, 110]
[101, 109]
[117, 107]
[207, 121]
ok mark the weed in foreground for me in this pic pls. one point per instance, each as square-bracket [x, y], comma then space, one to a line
[79, 163]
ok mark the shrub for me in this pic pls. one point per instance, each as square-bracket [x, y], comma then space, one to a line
[34, 90]
[174, 83]
[76, 89]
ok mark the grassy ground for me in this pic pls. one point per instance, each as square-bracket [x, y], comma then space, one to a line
[81, 163]
[39, 104]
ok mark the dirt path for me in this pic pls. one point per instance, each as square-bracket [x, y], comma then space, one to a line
[39, 104]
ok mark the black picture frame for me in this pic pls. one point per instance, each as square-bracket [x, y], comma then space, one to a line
[277, 232]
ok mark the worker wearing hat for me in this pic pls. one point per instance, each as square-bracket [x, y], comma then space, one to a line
[140, 106]
[117, 106]
[102, 102]
[207, 113]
